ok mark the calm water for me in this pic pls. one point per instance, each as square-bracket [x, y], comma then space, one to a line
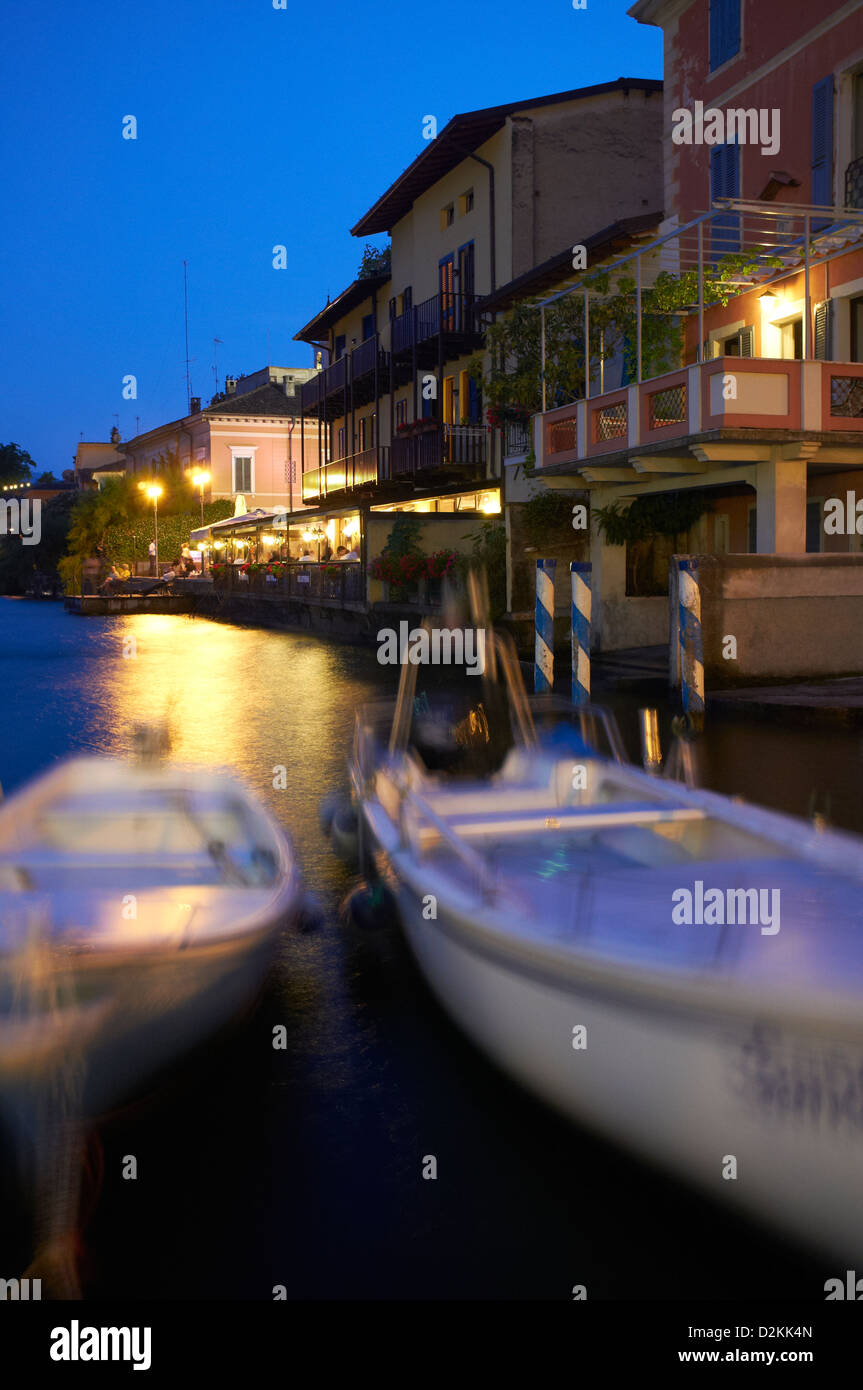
[303, 1167]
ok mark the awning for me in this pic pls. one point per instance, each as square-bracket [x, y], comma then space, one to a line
[277, 519]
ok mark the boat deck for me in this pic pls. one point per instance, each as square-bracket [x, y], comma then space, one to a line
[588, 892]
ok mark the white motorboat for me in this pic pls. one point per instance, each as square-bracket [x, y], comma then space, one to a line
[676, 969]
[139, 908]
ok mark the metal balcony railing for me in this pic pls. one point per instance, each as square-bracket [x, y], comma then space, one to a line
[516, 437]
[449, 313]
[341, 581]
[854, 183]
[775, 241]
[356, 470]
[438, 447]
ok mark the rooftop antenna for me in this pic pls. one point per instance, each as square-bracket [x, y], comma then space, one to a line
[186, 308]
[268, 347]
[216, 342]
[137, 424]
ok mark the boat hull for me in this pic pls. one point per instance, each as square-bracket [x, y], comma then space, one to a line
[124, 1022]
[689, 1092]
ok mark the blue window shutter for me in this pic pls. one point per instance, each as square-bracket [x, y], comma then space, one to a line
[724, 31]
[725, 183]
[732, 28]
[822, 142]
[716, 16]
[473, 398]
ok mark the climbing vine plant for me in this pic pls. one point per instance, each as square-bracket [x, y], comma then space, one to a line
[512, 371]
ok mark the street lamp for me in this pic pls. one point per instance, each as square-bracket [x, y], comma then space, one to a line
[200, 479]
[154, 492]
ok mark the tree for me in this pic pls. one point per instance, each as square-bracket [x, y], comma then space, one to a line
[19, 563]
[47, 480]
[377, 260]
[15, 464]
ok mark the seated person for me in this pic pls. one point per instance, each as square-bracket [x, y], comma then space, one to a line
[342, 552]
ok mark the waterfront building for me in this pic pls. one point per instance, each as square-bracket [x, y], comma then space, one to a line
[248, 440]
[398, 409]
[95, 461]
[762, 415]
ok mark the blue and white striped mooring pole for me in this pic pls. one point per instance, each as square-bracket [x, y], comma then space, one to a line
[543, 665]
[579, 575]
[691, 644]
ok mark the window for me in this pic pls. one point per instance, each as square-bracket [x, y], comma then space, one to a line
[341, 448]
[724, 31]
[792, 339]
[447, 216]
[407, 299]
[366, 433]
[446, 286]
[465, 202]
[340, 346]
[752, 541]
[243, 473]
[401, 413]
[449, 400]
[368, 326]
[392, 307]
[822, 144]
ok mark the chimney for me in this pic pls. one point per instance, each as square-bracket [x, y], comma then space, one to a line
[115, 435]
[195, 405]
[230, 386]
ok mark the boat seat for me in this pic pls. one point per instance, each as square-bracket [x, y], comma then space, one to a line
[519, 821]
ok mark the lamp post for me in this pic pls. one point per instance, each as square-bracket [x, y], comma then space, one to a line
[154, 492]
[200, 480]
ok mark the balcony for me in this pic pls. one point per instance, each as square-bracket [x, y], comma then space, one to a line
[854, 184]
[440, 446]
[351, 377]
[362, 469]
[452, 317]
[769, 395]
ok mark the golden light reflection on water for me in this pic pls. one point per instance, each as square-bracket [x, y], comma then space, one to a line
[242, 699]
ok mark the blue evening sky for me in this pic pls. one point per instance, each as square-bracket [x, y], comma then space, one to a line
[256, 126]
